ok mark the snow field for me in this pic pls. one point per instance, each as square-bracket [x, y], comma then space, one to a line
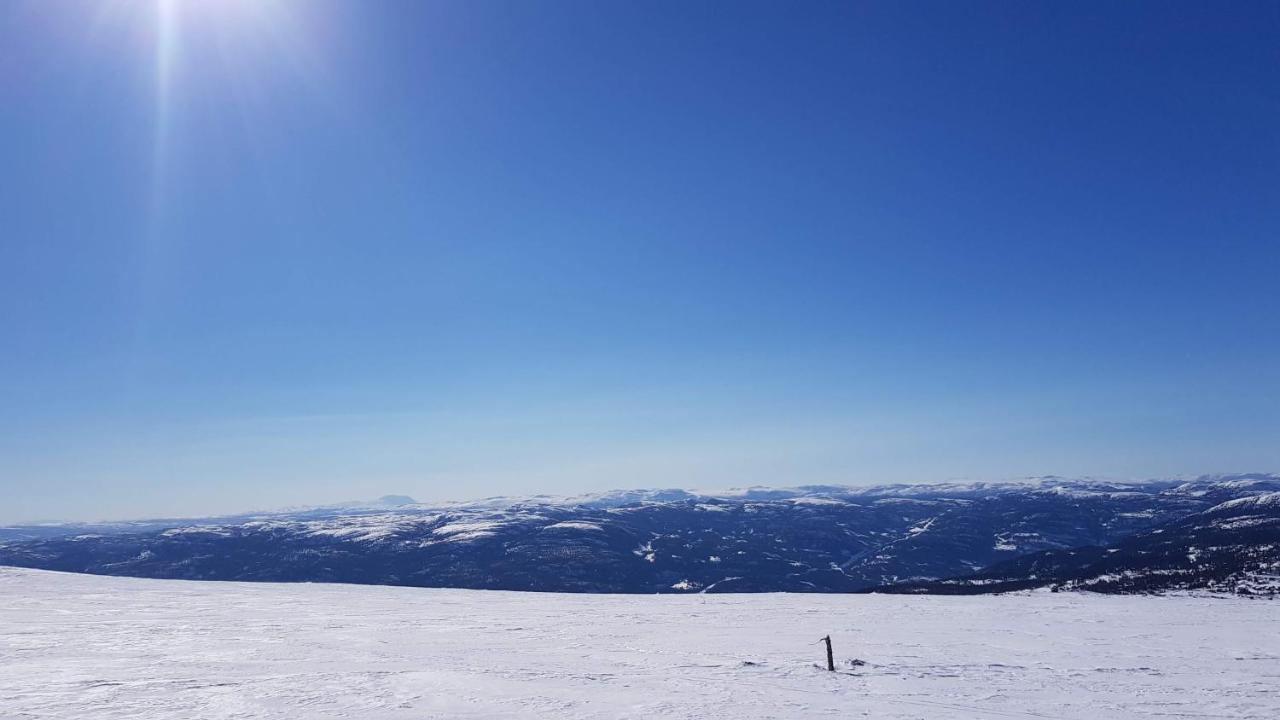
[86, 647]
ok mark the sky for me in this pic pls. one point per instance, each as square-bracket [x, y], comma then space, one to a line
[257, 253]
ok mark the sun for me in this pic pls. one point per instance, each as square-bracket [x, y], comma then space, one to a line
[188, 66]
[235, 48]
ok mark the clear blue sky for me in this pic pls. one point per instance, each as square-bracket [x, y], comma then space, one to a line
[264, 253]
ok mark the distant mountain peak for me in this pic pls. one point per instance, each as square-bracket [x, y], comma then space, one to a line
[395, 500]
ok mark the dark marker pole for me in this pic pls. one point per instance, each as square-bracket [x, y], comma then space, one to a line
[831, 661]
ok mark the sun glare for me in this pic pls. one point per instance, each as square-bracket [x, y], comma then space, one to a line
[232, 47]
[190, 55]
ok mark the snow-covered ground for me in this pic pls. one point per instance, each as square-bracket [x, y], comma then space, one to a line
[83, 647]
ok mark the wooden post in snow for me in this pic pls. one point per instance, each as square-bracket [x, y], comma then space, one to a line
[831, 661]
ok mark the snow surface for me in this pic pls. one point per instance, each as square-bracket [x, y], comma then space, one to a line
[79, 646]
[1258, 502]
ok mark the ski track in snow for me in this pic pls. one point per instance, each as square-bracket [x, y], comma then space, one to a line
[86, 647]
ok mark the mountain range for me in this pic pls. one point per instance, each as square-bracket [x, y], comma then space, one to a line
[1217, 533]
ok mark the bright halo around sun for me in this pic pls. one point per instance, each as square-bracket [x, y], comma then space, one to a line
[236, 54]
[214, 43]
[198, 73]
[243, 40]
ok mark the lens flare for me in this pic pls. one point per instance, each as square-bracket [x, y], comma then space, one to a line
[242, 58]
[234, 47]
[166, 47]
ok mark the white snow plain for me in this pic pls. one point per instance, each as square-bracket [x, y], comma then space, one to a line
[86, 647]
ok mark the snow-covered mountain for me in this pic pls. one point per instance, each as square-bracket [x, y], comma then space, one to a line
[1231, 547]
[826, 538]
